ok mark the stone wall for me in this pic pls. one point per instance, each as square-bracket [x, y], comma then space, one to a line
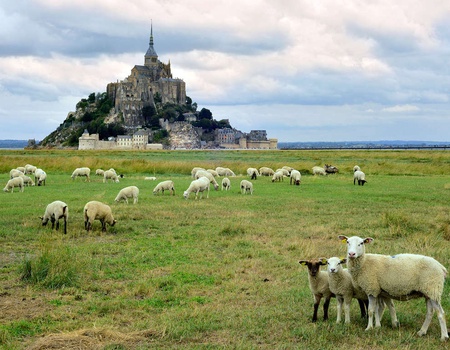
[183, 135]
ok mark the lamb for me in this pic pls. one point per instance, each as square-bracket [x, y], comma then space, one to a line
[317, 170]
[207, 174]
[246, 187]
[226, 184]
[253, 173]
[41, 177]
[319, 285]
[55, 211]
[401, 277]
[82, 172]
[15, 182]
[30, 169]
[331, 169]
[224, 171]
[278, 176]
[128, 192]
[295, 177]
[200, 185]
[266, 171]
[15, 173]
[99, 172]
[95, 210]
[110, 174]
[27, 181]
[359, 176]
[356, 168]
[163, 186]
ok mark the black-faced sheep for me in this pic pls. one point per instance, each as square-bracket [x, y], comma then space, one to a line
[128, 192]
[401, 277]
[360, 177]
[253, 173]
[95, 210]
[55, 211]
[295, 178]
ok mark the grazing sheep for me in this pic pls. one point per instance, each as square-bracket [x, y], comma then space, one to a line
[110, 175]
[200, 185]
[15, 182]
[128, 192]
[15, 173]
[21, 168]
[27, 181]
[163, 186]
[278, 176]
[207, 174]
[317, 170]
[356, 168]
[224, 171]
[37, 174]
[30, 169]
[55, 211]
[246, 187]
[82, 172]
[288, 168]
[266, 171]
[401, 277]
[212, 172]
[360, 177]
[226, 184]
[151, 178]
[253, 173]
[99, 172]
[284, 171]
[295, 177]
[331, 169]
[194, 171]
[95, 210]
[41, 177]
[319, 285]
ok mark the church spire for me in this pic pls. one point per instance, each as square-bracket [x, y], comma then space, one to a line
[151, 58]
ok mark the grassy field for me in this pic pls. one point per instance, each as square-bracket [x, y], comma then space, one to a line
[214, 273]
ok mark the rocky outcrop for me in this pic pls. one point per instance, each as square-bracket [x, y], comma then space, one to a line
[183, 135]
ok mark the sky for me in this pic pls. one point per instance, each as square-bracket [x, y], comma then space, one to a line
[303, 70]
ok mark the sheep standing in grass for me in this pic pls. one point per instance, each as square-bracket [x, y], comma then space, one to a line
[253, 173]
[194, 171]
[81, 172]
[110, 175]
[198, 186]
[40, 177]
[14, 182]
[21, 168]
[278, 176]
[207, 174]
[360, 177]
[167, 185]
[288, 168]
[246, 187]
[99, 172]
[317, 170]
[356, 168]
[224, 171]
[295, 177]
[15, 173]
[401, 277]
[226, 184]
[55, 211]
[266, 171]
[319, 285]
[30, 169]
[95, 210]
[128, 192]
[27, 181]
[212, 172]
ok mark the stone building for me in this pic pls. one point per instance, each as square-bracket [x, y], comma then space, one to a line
[139, 89]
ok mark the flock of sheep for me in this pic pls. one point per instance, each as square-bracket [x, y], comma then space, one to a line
[375, 280]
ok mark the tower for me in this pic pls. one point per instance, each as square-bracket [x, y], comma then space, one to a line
[151, 57]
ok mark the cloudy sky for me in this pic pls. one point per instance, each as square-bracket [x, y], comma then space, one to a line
[304, 70]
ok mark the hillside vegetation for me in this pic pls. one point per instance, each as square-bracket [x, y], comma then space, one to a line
[214, 273]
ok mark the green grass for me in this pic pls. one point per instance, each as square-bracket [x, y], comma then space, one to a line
[215, 273]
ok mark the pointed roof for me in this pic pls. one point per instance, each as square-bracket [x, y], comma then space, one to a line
[151, 51]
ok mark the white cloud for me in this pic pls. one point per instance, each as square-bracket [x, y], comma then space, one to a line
[401, 109]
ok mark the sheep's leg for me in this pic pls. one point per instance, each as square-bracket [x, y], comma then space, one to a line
[372, 308]
[340, 300]
[65, 225]
[52, 219]
[441, 317]
[316, 307]
[391, 307]
[363, 307]
[57, 224]
[326, 305]
[347, 303]
[103, 225]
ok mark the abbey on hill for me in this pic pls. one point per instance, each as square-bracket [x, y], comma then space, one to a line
[149, 87]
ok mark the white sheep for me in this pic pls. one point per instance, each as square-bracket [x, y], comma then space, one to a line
[284, 171]
[15, 173]
[150, 178]
[21, 168]
[295, 177]
[266, 171]
[163, 186]
[128, 192]
[318, 170]
[198, 186]
[110, 175]
[278, 176]
[226, 184]
[194, 171]
[401, 277]
[319, 285]
[14, 182]
[95, 210]
[55, 211]
[253, 173]
[27, 181]
[224, 171]
[40, 177]
[246, 187]
[288, 168]
[207, 174]
[85, 171]
[30, 169]
[359, 176]
[99, 172]
[212, 172]
[356, 168]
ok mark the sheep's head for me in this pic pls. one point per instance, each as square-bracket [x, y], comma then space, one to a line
[355, 245]
[313, 265]
[334, 264]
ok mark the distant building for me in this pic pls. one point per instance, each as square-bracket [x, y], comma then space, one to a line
[139, 140]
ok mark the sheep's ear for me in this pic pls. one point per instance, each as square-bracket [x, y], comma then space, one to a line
[344, 239]
[41, 217]
[344, 261]
[368, 240]
[303, 262]
[323, 261]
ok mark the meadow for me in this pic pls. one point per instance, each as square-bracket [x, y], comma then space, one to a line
[214, 273]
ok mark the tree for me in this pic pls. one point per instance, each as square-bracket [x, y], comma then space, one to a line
[205, 114]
